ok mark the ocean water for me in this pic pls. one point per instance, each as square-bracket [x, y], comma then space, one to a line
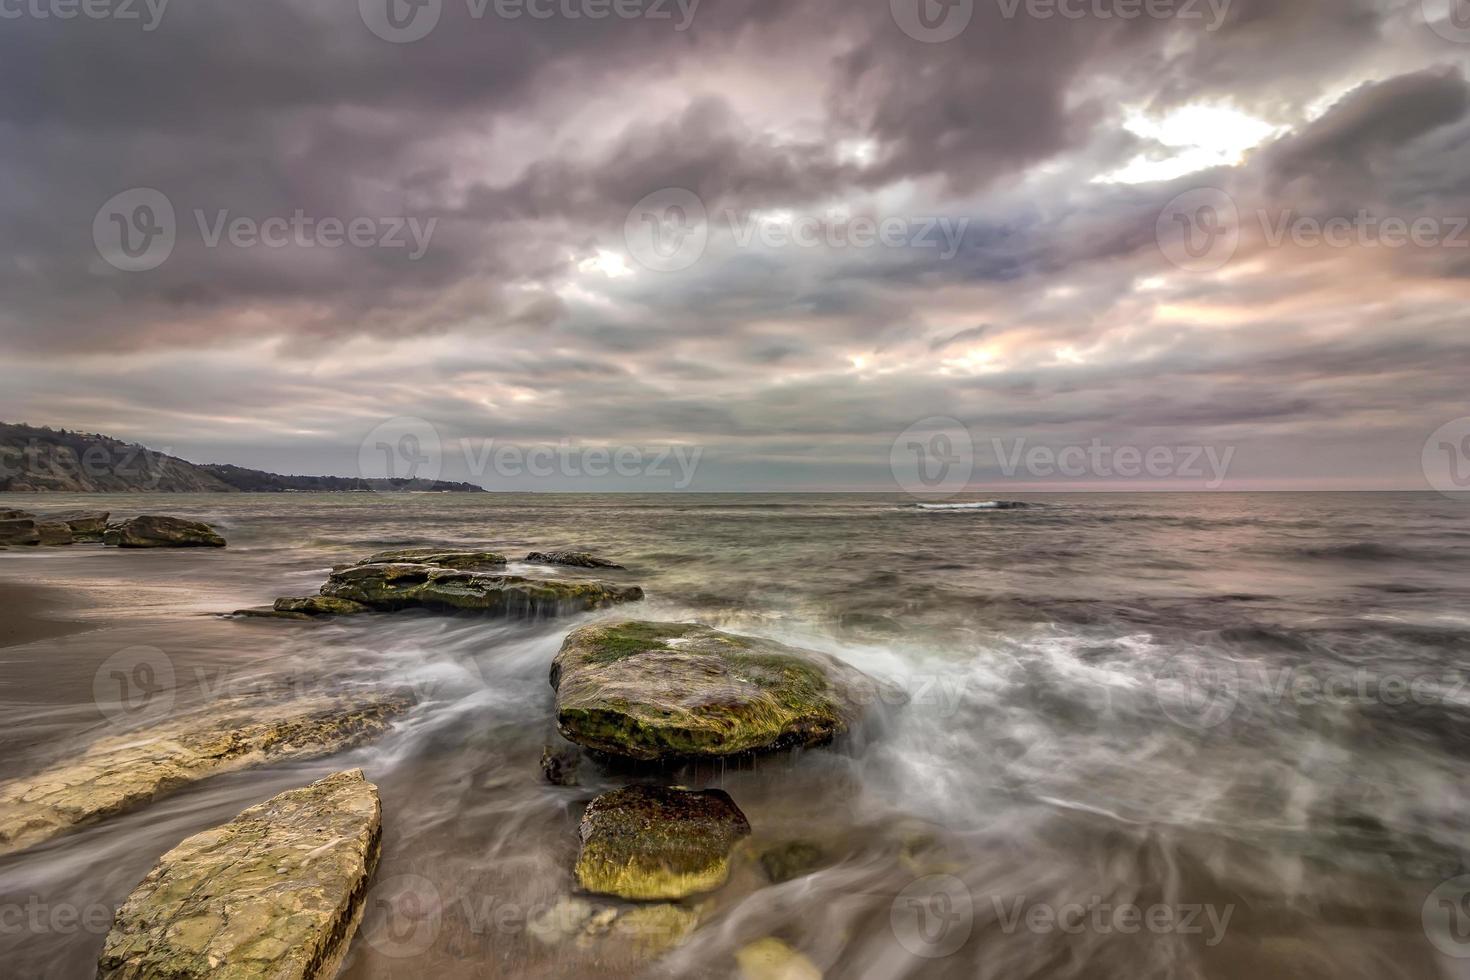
[1141, 736]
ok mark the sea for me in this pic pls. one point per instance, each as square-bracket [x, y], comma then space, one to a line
[1126, 736]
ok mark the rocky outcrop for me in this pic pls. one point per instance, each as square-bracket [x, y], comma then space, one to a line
[320, 605]
[650, 843]
[54, 533]
[162, 532]
[85, 525]
[652, 691]
[576, 559]
[402, 585]
[124, 772]
[275, 894]
[19, 531]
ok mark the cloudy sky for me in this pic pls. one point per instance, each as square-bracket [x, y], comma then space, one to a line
[779, 234]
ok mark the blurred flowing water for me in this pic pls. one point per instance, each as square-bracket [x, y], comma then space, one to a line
[1248, 711]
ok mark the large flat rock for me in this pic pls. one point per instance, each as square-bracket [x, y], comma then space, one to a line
[409, 585]
[651, 691]
[275, 894]
[650, 843]
[125, 772]
[152, 531]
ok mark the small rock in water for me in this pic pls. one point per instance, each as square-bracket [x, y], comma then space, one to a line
[653, 691]
[162, 532]
[320, 605]
[206, 910]
[54, 533]
[559, 764]
[576, 559]
[648, 843]
[771, 959]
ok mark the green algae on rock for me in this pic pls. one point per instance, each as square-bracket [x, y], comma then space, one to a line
[771, 959]
[85, 525]
[406, 585]
[320, 605]
[162, 532]
[275, 894]
[649, 843]
[125, 772]
[651, 691]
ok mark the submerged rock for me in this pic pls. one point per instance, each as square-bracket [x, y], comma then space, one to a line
[559, 764]
[19, 530]
[440, 558]
[771, 959]
[275, 894]
[11, 515]
[402, 585]
[85, 525]
[646, 843]
[125, 772]
[652, 691]
[162, 532]
[792, 860]
[576, 559]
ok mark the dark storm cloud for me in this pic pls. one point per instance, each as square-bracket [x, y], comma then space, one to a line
[527, 143]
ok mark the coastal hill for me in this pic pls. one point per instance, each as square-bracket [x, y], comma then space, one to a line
[39, 459]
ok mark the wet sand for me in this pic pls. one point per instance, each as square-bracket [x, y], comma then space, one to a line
[31, 612]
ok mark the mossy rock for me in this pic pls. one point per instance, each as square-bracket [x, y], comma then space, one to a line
[275, 894]
[161, 532]
[320, 605]
[771, 959]
[86, 525]
[19, 531]
[650, 843]
[440, 558]
[404, 585]
[652, 691]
